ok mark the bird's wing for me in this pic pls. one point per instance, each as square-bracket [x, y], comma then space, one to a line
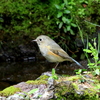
[61, 53]
[64, 55]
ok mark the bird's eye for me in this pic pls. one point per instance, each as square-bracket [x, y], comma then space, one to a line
[40, 39]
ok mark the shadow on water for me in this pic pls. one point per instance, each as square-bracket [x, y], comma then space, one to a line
[13, 73]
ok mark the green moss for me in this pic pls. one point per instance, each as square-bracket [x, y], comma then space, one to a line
[64, 75]
[73, 78]
[90, 92]
[75, 86]
[69, 90]
[63, 88]
[43, 77]
[87, 94]
[9, 91]
[41, 80]
[37, 82]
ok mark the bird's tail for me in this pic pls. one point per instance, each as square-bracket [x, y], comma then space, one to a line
[77, 63]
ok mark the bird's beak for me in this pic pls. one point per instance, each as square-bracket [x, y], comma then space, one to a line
[34, 40]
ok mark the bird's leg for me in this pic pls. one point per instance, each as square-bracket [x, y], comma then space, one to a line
[56, 65]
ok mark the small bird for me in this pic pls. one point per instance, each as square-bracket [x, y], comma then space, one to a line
[52, 51]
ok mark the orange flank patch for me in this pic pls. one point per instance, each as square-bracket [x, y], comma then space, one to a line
[53, 54]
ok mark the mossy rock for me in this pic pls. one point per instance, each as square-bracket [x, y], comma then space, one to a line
[70, 90]
[43, 77]
[36, 82]
[63, 88]
[9, 91]
[41, 80]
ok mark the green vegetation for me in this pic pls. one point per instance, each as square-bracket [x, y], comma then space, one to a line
[36, 82]
[41, 80]
[94, 66]
[9, 91]
[54, 75]
[70, 90]
[43, 77]
[63, 20]
[33, 90]
[20, 19]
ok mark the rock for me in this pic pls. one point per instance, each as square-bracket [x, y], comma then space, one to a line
[47, 95]
[19, 53]
[47, 73]
[16, 97]
[3, 98]
[45, 88]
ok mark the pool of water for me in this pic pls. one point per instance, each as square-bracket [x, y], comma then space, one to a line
[15, 72]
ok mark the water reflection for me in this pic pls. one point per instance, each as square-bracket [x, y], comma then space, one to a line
[13, 73]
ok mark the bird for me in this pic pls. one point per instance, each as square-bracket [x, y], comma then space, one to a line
[52, 51]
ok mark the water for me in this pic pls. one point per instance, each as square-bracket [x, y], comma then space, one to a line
[15, 72]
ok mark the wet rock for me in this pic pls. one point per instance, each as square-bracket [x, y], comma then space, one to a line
[25, 50]
[19, 53]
